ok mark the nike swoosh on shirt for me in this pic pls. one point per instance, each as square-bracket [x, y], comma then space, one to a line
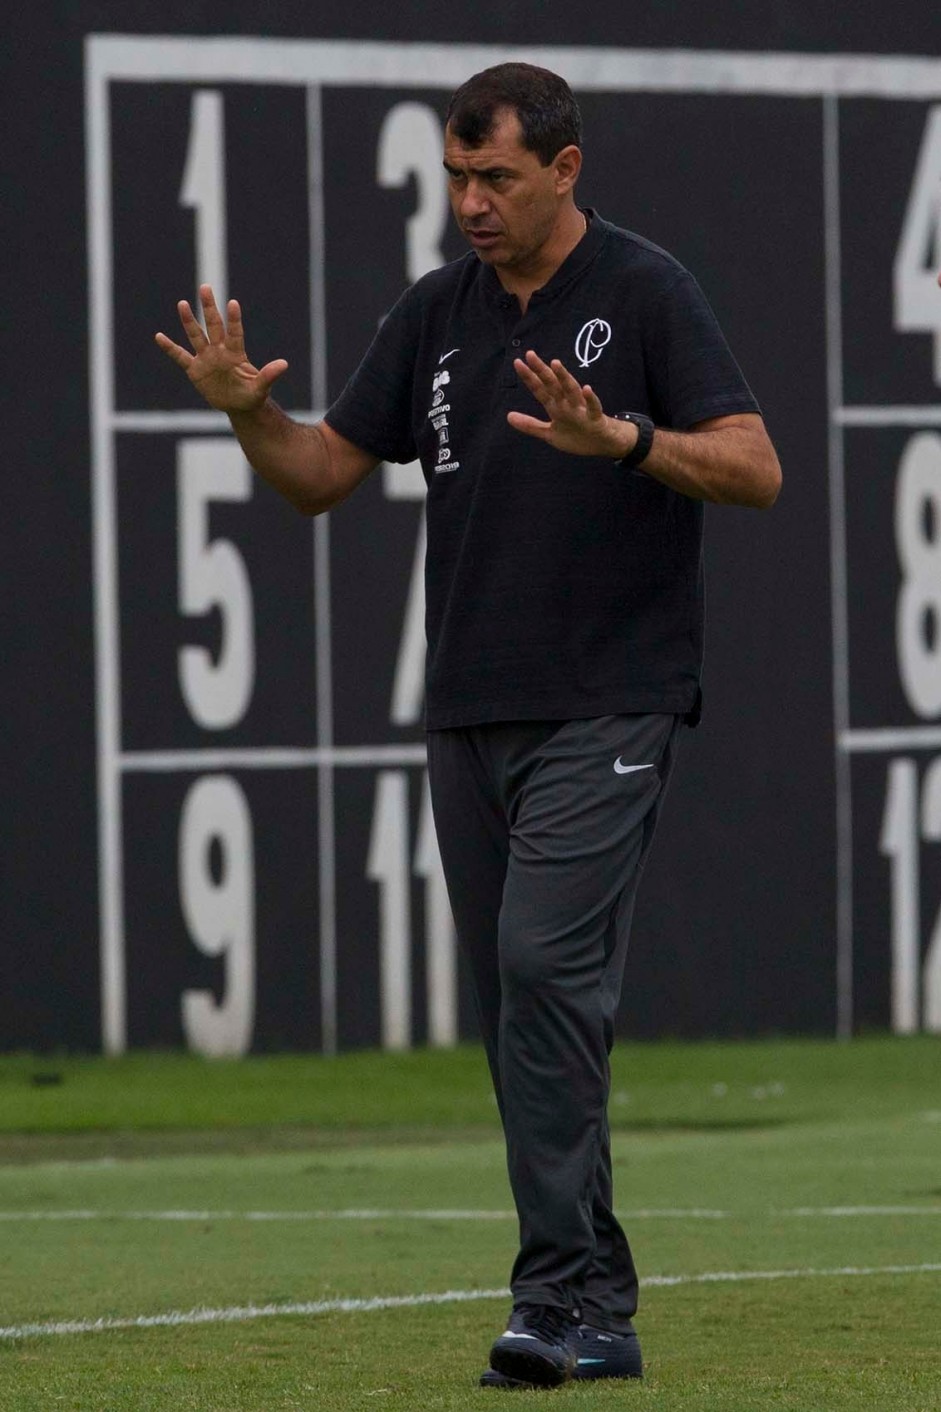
[620, 769]
[511, 1333]
[445, 356]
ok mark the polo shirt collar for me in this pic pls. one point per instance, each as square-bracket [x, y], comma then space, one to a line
[571, 267]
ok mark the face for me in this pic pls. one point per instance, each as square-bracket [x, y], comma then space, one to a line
[504, 200]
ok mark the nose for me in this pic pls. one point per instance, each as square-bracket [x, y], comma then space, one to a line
[474, 200]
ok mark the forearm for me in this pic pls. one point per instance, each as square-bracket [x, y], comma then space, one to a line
[290, 456]
[728, 464]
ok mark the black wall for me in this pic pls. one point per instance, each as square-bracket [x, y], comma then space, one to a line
[788, 848]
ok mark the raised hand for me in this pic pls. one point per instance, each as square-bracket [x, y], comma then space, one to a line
[577, 422]
[218, 366]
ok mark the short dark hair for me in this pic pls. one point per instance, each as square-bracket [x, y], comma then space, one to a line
[543, 102]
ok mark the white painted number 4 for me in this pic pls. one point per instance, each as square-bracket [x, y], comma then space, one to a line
[918, 258]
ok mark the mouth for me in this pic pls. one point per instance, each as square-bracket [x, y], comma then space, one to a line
[482, 238]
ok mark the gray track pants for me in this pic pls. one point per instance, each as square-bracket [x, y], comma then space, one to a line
[544, 828]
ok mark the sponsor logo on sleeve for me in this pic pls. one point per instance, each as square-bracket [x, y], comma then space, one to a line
[438, 415]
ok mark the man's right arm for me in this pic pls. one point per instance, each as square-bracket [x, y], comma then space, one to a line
[311, 466]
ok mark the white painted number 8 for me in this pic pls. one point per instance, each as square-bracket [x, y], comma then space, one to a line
[918, 540]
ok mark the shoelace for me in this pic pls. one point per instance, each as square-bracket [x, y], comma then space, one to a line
[550, 1323]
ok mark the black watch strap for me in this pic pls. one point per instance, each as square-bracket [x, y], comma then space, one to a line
[645, 431]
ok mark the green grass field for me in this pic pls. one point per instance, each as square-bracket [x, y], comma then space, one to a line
[296, 1233]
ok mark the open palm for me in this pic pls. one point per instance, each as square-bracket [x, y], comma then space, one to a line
[218, 366]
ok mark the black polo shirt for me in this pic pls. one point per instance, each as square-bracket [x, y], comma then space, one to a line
[557, 586]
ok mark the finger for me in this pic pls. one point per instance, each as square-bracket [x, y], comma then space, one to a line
[532, 426]
[271, 372]
[541, 369]
[557, 381]
[235, 334]
[567, 382]
[191, 325]
[545, 390]
[215, 325]
[526, 373]
[173, 350]
[592, 402]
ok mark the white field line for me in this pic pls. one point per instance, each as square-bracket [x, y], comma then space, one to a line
[238, 1314]
[458, 1214]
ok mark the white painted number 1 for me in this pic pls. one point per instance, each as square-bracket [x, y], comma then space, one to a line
[203, 190]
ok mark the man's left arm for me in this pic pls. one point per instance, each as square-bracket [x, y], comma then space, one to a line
[729, 460]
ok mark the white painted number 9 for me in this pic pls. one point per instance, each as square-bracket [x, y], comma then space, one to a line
[217, 895]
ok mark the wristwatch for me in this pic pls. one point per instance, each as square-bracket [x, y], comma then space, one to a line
[641, 448]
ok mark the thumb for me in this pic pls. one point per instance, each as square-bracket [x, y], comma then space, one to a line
[270, 373]
[532, 426]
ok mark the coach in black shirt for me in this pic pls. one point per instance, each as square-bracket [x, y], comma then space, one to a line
[573, 402]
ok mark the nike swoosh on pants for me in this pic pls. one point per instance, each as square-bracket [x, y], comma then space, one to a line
[620, 769]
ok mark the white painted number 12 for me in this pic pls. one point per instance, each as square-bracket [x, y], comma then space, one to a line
[916, 988]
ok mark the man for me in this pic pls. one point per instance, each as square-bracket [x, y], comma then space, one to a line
[564, 621]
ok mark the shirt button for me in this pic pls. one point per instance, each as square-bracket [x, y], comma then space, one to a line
[515, 342]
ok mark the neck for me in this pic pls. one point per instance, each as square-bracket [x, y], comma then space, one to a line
[523, 279]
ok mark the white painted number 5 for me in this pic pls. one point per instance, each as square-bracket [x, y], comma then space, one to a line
[212, 574]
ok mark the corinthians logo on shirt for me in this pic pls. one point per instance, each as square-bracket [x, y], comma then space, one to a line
[593, 338]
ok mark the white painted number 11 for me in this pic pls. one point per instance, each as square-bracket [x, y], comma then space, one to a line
[389, 865]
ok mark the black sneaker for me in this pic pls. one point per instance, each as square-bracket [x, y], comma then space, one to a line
[601, 1354]
[538, 1347]
[491, 1378]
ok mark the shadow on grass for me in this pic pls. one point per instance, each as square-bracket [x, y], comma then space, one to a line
[18, 1149]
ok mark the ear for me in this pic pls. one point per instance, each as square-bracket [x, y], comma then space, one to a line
[567, 164]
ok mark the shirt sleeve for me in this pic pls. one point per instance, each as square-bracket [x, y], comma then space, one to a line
[695, 373]
[374, 410]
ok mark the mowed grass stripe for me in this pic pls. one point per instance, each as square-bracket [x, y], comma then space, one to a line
[244, 1313]
[446, 1214]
